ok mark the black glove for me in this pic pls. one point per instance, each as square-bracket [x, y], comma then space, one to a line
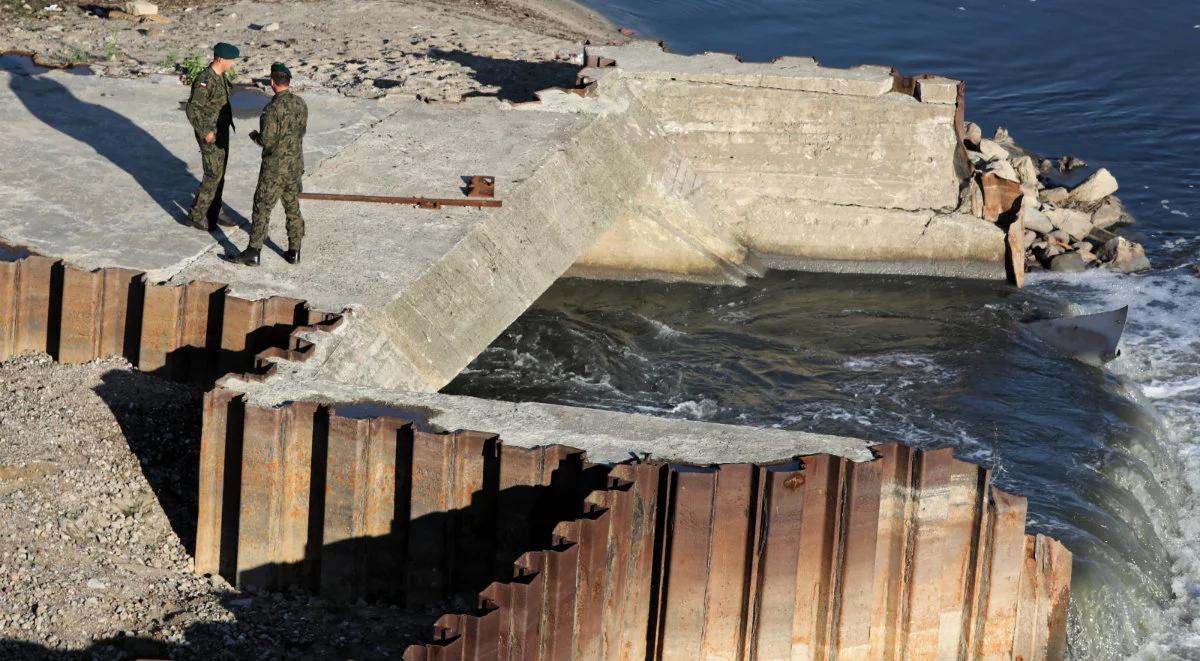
[255, 135]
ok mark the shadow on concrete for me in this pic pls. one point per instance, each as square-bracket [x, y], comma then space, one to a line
[164, 176]
[518, 81]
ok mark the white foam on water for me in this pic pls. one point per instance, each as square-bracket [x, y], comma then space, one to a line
[1160, 366]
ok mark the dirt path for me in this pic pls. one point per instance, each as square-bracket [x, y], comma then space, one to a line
[434, 49]
[98, 471]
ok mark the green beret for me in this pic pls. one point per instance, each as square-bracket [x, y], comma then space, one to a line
[280, 67]
[226, 51]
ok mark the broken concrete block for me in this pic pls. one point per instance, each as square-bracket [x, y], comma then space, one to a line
[1071, 262]
[1055, 195]
[937, 90]
[1003, 169]
[1037, 221]
[1076, 223]
[992, 150]
[1026, 170]
[1097, 187]
[141, 8]
[1112, 212]
[972, 134]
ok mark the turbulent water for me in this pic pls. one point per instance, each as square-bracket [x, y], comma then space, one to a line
[1109, 458]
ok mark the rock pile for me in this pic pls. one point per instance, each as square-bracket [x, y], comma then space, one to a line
[1066, 230]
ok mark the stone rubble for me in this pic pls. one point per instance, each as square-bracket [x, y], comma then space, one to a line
[1066, 230]
[98, 467]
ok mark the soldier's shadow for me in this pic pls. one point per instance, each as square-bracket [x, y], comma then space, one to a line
[161, 174]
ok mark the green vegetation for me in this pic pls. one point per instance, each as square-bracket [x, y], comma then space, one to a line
[111, 49]
[171, 61]
[78, 57]
[190, 68]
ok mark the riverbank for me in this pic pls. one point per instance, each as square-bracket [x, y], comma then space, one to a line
[439, 50]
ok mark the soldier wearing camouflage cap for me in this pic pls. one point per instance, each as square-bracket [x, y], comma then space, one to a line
[211, 117]
[281, 136]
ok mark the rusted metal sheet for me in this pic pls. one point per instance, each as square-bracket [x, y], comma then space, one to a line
[220, 480]
[913, 555]
[183, 332]
[419, 202]
[481, 186]
[1015, 247]
[275, 489]
[366, 479]
[1000, 197]
[30, 292]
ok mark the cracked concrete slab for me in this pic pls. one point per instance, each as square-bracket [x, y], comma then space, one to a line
[366, 254]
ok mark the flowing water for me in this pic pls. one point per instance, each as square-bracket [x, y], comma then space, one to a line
[1109, 458]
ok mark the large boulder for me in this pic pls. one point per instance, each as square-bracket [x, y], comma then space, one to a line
[1076, 223]
[1095, 188]
[1056, 196]
[1036, 220]
[1026, 170]
[1070, 262]
[1110, 213]
[1124, 255]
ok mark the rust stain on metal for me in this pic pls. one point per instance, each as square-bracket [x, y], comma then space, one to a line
[481, 186]
[419, 202]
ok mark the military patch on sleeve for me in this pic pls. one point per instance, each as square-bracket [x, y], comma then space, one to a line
[203, 84]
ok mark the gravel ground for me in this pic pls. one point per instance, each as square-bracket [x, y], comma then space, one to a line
[97, 512]
[438, 50]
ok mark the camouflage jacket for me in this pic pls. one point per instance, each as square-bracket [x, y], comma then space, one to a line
[281, 131]
[208, 108]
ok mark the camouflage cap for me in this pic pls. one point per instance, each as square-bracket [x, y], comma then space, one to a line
[226, 51]
[280, 67]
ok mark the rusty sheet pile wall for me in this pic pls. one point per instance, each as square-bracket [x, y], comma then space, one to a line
[194, 332]
[304, 495]
[913, 555]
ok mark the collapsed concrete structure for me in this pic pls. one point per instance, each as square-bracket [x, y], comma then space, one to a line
[326, 447]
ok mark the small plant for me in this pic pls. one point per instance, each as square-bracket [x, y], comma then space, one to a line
[77, 57]
[111, 49]
[190, 68]
[170, 62]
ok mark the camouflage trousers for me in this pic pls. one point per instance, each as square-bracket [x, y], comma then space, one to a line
[208, 198]
[275, 184]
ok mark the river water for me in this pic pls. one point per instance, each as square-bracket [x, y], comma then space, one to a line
[1109, 458]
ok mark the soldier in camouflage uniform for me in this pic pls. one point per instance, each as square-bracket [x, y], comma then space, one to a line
[211, 116]
[282, 124]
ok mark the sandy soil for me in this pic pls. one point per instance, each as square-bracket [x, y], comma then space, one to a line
[434, 49]
[98, 471]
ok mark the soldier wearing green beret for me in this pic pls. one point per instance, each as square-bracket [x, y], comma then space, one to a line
[211, 116]
[281, 137]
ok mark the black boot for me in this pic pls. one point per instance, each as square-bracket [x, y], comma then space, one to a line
[247, 257]
[292, 255]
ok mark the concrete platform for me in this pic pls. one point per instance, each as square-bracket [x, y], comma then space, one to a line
[694, 168]
[101, 171]
[606, 436]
